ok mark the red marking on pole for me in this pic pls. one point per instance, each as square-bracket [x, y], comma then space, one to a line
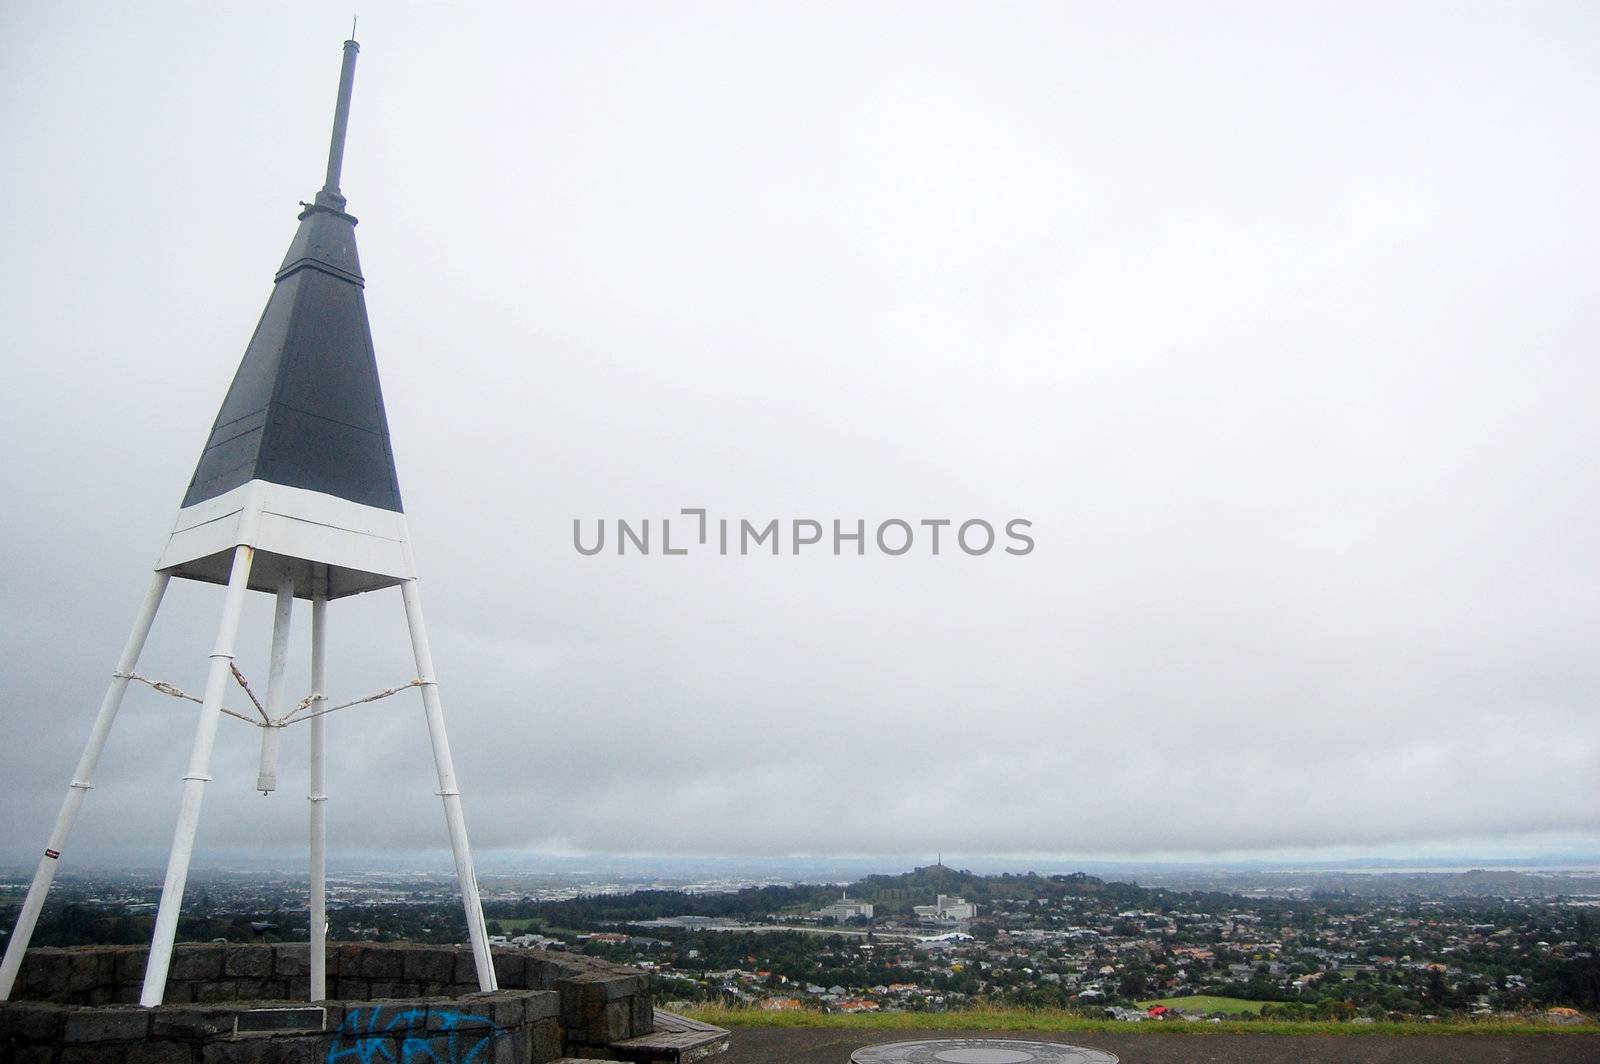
[53, 854]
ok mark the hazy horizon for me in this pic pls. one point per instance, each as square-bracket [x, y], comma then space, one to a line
[504, 863]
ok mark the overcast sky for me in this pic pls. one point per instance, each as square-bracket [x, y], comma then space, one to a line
[1277, 321]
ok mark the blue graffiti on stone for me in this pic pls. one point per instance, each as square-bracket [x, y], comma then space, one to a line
[381, 1035]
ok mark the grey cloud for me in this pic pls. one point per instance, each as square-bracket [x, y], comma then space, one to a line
[1278, 323]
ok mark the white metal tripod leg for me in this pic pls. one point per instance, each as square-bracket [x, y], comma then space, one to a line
[319, 798]
[272, 734]
[194, 782]
[454, 819]
[82, 778]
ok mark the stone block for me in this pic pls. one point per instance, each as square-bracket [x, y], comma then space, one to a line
[177, 993]
[544, 1040]
[191, 1021]
[334, 1014]
[92, 1054]
[541, 973]
[128, 966]
[538, 974]
[568, 966]
[44, 973]
[382, 962]
[488, 1044]
[429, 966]
[517, 1048]
[216, 990]
[290, 959]
[642, 1015]
[30, 1054]
[87, 969]
[158, 1053]
[252, 989]
[276, 989]
[510, 970]
[254, 962]
[601, 986]
[231, 1053]
[32, 1021]
[196, 962]
[270, 1051]
[389, 1018]
[350, 988]
[571, 1007]
[606, 1022]
[346, 959]
[505, 1008]
[541, 1005]
[626, 986]
[460, 1015]
[466, 968]
[107, 1025]
[503, 1050]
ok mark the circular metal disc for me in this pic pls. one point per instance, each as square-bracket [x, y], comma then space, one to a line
[980, 1051]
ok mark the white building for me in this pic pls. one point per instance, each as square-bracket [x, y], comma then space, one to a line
[845, 908]
[947, 908]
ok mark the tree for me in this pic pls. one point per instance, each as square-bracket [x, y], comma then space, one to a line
[1579, 982]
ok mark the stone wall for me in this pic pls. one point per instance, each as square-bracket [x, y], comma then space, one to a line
[245, 1004]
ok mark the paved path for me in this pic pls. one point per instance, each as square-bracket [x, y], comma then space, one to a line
[803, 1045]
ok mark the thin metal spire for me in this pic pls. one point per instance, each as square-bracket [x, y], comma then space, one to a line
[341, 114]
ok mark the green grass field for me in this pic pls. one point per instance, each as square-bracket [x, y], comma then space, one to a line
[1206, 1003]
[1052, 1020]
[515, 925]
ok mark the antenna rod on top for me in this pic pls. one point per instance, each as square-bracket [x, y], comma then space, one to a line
[341, 116]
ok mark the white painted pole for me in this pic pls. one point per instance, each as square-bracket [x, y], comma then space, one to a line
[319, 798]
[272, 733]
[82, 781]
[454, 818]
[194, 782]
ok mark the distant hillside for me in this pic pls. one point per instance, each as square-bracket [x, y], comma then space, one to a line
[752, 903]
[891, 895]
[1476, 883]
[895, 895]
